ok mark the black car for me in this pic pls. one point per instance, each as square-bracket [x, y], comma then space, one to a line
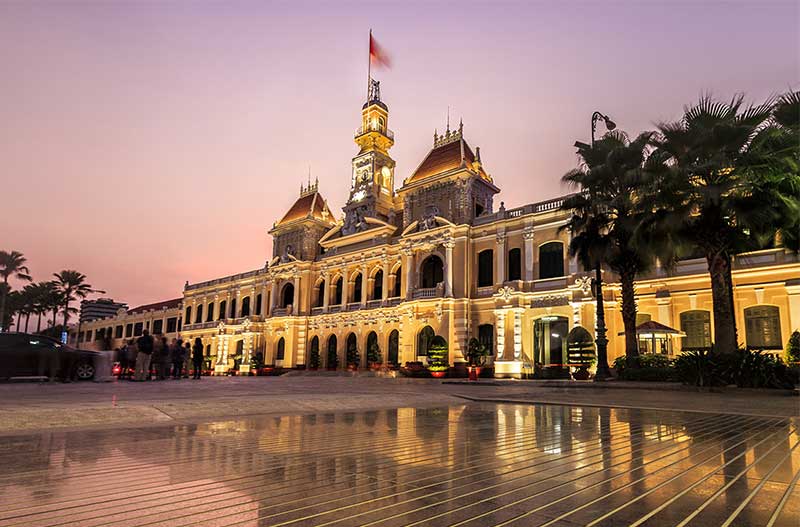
[24, 355]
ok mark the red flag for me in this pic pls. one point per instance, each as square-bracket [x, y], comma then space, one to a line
[377, 55]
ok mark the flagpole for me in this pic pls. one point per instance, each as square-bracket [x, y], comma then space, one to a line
[369, 63]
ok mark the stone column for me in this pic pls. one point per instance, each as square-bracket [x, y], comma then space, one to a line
[793, 290]
[326, 295]
[238, 312]
[296, 299]
[518, 333]
[409, 272]
[272, 288]
[364, 286]
[527, 236]
[385, 286]
[345, 286]
[500, 330]
[264, 296]
[500, 258]
[448, 281]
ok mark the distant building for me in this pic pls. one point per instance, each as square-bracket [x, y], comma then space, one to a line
[100, 308]
[112, 331]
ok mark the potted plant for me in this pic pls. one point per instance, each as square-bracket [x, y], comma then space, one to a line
[374, 356]
[256, 363]
[580, 353]
[353, 359]
[313, 359]
[437, 358]
[476, 357]
[333, 361]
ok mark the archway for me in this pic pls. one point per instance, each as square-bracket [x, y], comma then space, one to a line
[321, 294]
[373, 349]
[287, 295]
[280, 349]
[314, 359]
[353, 358]
[424, 338]
[337, 296]
[357, 288]
[393, 356]
[332, 359]
[431, 272]
[246, 306]
[377, 286]
[580, 347]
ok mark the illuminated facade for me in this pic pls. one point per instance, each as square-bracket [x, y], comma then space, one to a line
[437, 256]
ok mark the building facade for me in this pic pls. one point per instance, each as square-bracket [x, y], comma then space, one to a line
[438, 256]
[100, 308]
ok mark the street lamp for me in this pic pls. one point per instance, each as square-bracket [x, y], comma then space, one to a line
[603, 371]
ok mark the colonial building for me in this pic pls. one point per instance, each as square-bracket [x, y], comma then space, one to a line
[439, 257]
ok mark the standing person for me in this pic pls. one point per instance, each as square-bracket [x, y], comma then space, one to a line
[177, 358]
[145, 346]
[161, 355]
[132, 352]
[187, 357]
[122, 359]
[197, 357]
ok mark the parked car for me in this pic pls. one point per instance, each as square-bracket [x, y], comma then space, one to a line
[24, 355]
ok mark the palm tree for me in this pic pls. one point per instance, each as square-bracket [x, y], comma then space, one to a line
[71, 285]
[718, 193]
[45, 297]
[12, 264]
[606, 216]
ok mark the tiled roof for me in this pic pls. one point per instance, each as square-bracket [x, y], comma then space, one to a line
[651, 326]
[309, 205]
[443, 158]
[169, 304]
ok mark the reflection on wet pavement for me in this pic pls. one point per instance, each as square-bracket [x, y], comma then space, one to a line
[475, 464]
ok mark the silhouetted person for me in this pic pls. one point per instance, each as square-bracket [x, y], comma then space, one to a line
[145, 345]
[161, 358]
[177, 358]
[197, 357]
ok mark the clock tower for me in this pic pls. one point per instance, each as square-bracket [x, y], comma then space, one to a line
[372, 184]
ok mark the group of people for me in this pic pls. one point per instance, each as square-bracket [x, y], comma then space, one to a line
[167, 359]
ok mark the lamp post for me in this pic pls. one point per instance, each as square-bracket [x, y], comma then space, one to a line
[603, 373]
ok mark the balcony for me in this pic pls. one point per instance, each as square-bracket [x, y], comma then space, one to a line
[353, 306]
[550, 283]
[365, 130]
[484, 291]
[428, 292]
[317, 310]
[393, 301]
[282, 311]
[335, 308]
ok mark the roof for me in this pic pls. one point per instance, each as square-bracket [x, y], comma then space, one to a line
[167, 304]
[444, 157]
[308, 205]
[651, 326]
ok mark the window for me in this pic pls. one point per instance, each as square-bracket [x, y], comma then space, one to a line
[172, 325]
[357, 289]
[641, 318]
[287, 297]
[332, 358]
[551, 260]
[259, 300]
[158, 325]
[486, 337]
[246, 307]
[697, 326]
[394, 347]
[188, 316]
[485, 268]
[377, 286]
[515, 264]
[338, 292]
[763, 327]
[98, 334]
[431, 271]
[137, 329]
[233, 308]
[321, 294]
[398, 282]
[210, 313]
[128, 331]
[198, 317]
[281, 350]
[118, 332]
[223, 306]
[424, 340]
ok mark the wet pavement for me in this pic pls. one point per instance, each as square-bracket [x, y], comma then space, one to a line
[475, 464]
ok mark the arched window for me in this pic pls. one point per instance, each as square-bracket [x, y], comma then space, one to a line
[431, 271]
[314, 349]
[332, 359]
[338, 291]
[551, 260]
[486, 337]
[259, 300]
[373, 349]
[246, 306]
[377, 286]
[424, 340]
[210, 312]
[352, 348]
[398, 282]
[485, 268]
[223, 305]
[321, 294]
[357, 288]
[198, 317]
[280, 350]
[287, 295]
[393, 356]
[188, 316]
[763, 327]
[233, 308]
[696, 325]
[515, 264]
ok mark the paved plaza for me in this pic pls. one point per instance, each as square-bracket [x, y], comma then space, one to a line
[345, 452]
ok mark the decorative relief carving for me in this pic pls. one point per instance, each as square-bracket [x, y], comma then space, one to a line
[550, 301]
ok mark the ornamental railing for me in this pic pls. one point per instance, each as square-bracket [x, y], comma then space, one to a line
[365, 130]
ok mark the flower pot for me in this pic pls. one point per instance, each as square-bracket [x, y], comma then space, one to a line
[438, 374]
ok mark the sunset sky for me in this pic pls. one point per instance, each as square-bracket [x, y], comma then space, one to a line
[149, 143]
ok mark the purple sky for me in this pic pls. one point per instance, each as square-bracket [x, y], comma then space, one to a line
[150, 143]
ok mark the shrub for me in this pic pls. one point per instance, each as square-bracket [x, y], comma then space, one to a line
[744, 368]
[697, 368]
[373, 353]
[476, 352]
[314, 359]
[645, 360]
[437, 357]
[414, 369]
[353, 357]
[793, 348]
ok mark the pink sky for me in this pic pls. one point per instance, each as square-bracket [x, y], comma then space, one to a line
[150, 143]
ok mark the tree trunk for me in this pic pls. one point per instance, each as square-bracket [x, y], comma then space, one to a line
[3, 306]
[629, 315]
[27, 319]
[55, 314]
[719, 267]
[66, 314]
[39, 323]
